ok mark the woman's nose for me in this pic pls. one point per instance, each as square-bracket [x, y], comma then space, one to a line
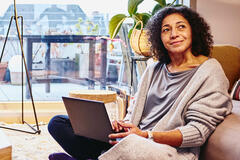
[174, 33]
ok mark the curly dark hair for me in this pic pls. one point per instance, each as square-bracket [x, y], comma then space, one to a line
[201, 36]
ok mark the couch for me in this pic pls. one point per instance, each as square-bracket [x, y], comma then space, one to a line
[224, 144]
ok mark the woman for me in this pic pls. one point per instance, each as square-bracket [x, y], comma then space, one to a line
[180, 100]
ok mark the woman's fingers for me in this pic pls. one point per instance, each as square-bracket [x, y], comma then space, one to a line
[129, 128]
[126, 125]
[118, 135]
[113, 142]
[116, 126]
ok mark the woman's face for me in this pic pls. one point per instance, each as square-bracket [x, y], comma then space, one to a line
[176, 34]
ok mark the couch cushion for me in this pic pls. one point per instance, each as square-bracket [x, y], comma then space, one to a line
[229, 57]
[224, 144]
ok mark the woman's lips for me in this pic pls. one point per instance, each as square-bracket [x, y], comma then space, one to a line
[175, 42]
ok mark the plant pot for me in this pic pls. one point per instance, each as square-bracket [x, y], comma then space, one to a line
[16, 78]
[3, 68]
[139, 41]
[15, 68]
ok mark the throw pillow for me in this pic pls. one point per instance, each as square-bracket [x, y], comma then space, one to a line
[235, 94]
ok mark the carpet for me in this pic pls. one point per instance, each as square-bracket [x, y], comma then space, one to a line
[30, 146]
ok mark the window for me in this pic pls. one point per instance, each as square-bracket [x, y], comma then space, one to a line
[66, 47]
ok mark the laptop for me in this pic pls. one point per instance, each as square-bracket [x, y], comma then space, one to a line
[88, 118]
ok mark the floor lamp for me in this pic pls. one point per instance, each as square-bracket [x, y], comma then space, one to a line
[20, 37]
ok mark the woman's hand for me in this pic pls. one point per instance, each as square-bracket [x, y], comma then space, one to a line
[128, 128]
[116, 126]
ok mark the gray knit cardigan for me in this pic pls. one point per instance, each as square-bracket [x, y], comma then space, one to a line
[197, 111]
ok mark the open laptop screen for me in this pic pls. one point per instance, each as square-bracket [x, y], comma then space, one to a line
[88, 118]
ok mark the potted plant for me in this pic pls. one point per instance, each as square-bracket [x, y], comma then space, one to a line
[137, 34]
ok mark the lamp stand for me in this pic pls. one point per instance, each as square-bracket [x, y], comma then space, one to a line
[20, 37]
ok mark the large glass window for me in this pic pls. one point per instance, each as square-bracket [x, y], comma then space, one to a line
[66, 47]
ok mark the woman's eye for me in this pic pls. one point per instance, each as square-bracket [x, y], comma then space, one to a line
[165, 30]
[181, 26]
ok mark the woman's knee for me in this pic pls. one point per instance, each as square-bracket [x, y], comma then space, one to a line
[57, 122]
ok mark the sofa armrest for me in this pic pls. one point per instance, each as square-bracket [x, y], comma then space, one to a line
[223, 143]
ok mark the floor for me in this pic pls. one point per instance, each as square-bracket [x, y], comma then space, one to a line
[31, 146]
[27, 146]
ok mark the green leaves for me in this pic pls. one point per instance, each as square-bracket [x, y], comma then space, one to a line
[144, 17]
[115, 24]
[132, 6]
[162, 3]
[117, 20]
[156, 8]
[172, 3]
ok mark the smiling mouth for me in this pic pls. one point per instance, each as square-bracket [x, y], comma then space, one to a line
[175, 42]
